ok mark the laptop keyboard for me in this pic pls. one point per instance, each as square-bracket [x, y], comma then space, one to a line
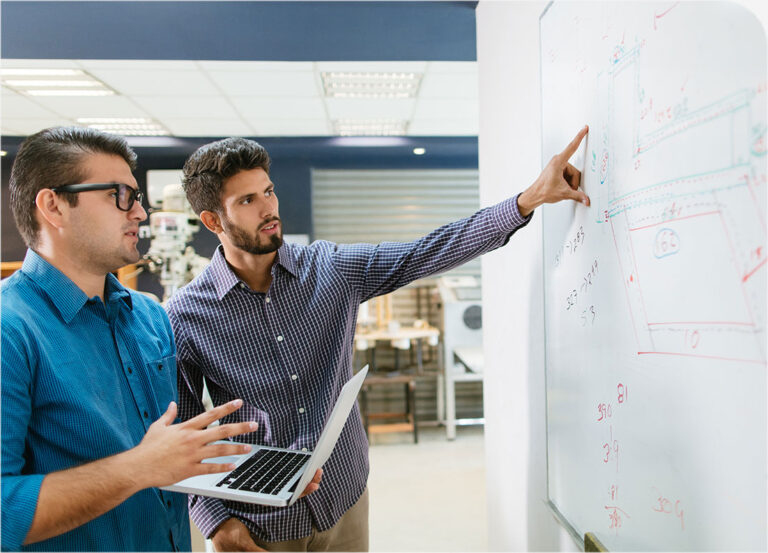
[267, 471]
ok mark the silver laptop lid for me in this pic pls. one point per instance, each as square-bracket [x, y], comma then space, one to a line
[332, 430]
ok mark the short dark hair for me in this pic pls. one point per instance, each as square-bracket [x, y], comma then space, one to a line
[209, 166]
[54, 157]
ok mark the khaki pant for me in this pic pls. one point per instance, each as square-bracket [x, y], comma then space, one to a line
[349, 534]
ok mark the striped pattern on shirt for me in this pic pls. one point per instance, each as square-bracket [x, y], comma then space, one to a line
[288, 352]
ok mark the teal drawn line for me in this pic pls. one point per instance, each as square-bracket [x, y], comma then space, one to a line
[748, 95]
[686, 177]
[693, 126]
[667, 198]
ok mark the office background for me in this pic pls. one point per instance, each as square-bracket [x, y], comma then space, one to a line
[503, 39]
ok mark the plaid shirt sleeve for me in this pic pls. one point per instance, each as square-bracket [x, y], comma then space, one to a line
[374, 270]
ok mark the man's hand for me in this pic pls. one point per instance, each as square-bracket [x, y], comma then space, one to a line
[172, 452]
[233, 535]
[314, 484]
[558, 181]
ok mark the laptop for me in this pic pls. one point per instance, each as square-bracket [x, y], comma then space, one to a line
[270, 475]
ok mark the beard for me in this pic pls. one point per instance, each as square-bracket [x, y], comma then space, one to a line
[242, 239]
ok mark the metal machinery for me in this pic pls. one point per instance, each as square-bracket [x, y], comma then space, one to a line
[171, 228]
[461, 320]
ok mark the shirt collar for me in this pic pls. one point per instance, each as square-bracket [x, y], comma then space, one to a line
[224, 278]
[64, 293]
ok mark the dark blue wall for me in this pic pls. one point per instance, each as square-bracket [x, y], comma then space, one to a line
[277, 31]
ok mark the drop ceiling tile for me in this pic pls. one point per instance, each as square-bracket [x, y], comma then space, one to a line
[361, 108]
[373, 66]
[291, 127]
[446, 109]
[443, 127]
[27, 126]
[19, 106]
[139, 65]
[207, 127]
[153, 82]
[452, 67]
[40, 64]
[256, 66]
[288, 108]
[448, 85]
[94, 106]
[266, 83]
[178, 107]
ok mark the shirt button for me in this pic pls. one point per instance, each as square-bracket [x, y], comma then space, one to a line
[303, 448]
[301, 409]
[242, 285]
[160, 367]
[267, 300]
[146, 415]
[294, 376]
[168, 503]
[130, 370]
[279, 338]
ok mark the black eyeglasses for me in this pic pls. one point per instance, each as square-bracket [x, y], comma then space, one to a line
[124, 198]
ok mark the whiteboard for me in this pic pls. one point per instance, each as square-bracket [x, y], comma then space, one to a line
[655, 296]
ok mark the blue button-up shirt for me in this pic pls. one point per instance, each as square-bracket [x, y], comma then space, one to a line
[83, 379]
[288, 352]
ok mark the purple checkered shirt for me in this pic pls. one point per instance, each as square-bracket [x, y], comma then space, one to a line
[288, 352]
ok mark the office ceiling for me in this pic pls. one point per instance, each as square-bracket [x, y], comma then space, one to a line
[248, 98]
[244, 68]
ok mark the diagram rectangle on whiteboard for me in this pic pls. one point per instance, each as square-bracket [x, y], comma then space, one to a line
[655, 296]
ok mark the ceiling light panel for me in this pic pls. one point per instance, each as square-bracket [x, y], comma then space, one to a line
[374, 85]
[37, 81]
[370, 127]
[126, 126]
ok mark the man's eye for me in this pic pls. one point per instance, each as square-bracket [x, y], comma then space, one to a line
[268, 193]
[246, 201]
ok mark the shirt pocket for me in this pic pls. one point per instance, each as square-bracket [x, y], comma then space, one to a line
[162, 380]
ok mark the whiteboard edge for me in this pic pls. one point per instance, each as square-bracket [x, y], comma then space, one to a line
[560, 517]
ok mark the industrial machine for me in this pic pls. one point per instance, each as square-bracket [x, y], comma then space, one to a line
[171, 228]
[461, 322]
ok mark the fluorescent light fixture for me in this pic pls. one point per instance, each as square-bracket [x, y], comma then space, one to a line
[46, 83]
[127, 126]
[23, 72]
[419, 151]
[54, 82]
[69, 92]
[370, 85]
[3, 153]
[370, 127]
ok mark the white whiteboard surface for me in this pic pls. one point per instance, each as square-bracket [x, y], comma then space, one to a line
[656, 294]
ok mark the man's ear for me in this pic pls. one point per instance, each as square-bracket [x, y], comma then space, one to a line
[211, 221]
[51, 207]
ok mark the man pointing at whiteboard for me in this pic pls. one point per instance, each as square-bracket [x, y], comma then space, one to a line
[273, 323]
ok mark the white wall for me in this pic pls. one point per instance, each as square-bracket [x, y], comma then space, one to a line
[510, 159]
[513, 324]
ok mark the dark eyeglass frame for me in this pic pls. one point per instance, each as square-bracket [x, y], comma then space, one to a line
[127, 195]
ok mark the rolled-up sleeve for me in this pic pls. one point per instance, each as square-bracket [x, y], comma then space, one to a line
[19, 491]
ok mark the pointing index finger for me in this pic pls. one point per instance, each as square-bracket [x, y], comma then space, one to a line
[574, 145]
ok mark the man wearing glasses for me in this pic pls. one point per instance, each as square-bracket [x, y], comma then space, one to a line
[89, 367]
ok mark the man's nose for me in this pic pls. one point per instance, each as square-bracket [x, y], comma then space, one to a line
[138, 212]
